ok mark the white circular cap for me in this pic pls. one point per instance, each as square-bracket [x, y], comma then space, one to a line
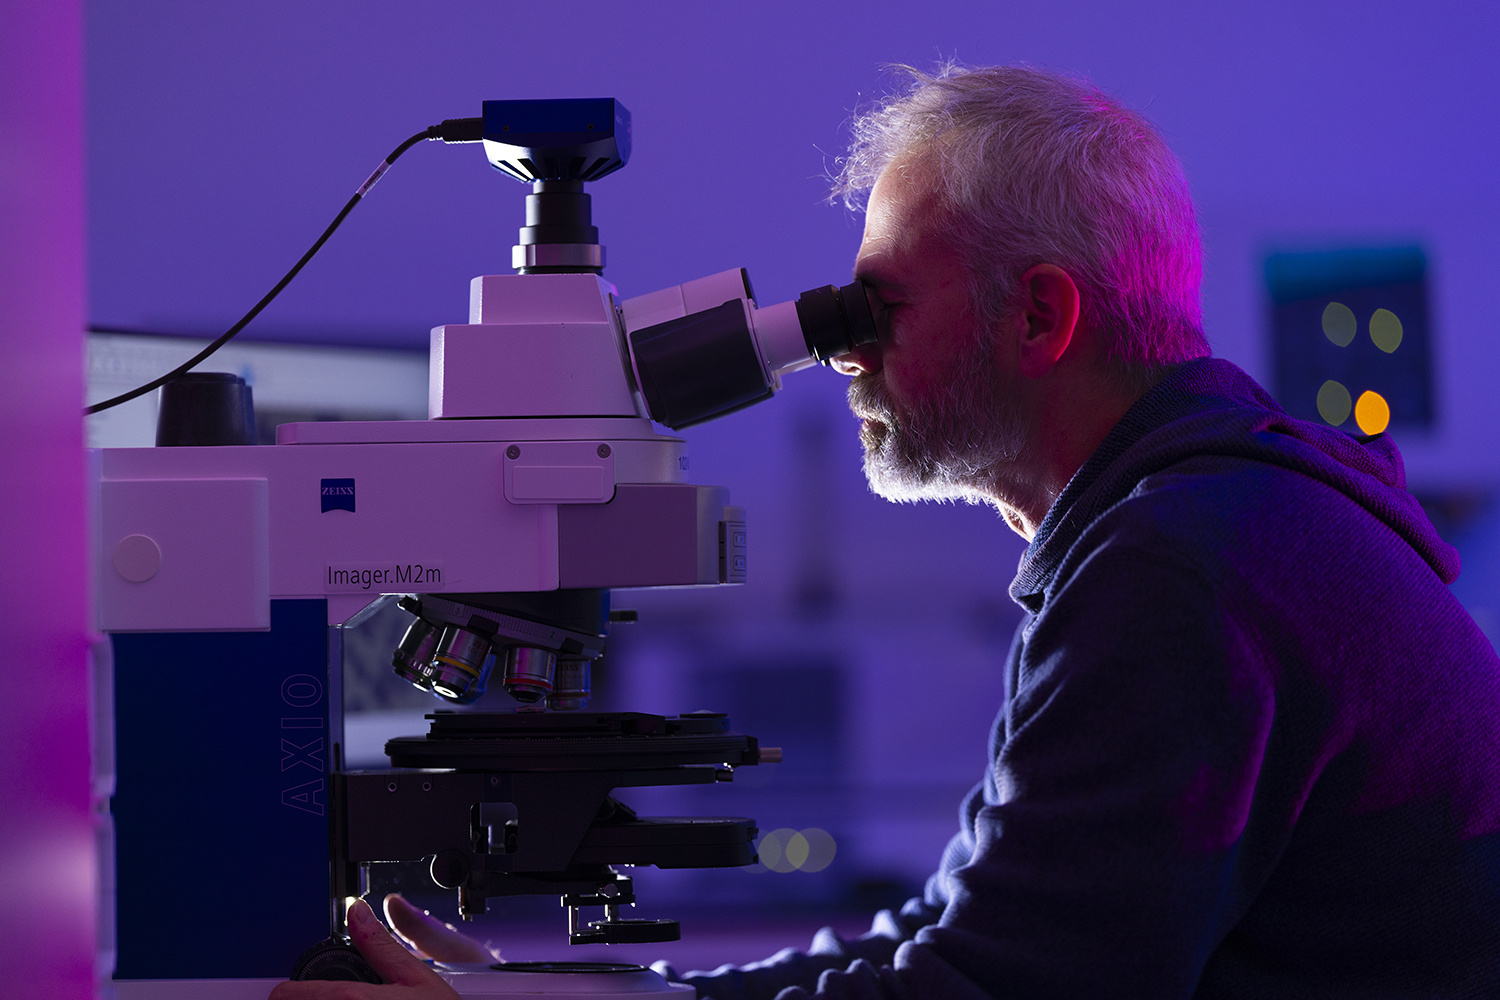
[137, 558]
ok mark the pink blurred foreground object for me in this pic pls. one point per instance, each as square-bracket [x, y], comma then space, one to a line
[47, 854]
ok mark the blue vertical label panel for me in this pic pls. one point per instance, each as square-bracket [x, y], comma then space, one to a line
[221, 808]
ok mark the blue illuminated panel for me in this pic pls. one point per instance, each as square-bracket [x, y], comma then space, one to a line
[1350, 322]
[221, 808]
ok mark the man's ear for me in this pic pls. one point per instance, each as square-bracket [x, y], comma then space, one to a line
[1049, 311]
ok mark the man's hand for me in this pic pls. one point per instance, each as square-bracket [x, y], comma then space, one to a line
[409, 977]
[430, 938]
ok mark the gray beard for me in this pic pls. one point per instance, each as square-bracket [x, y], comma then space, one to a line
[950, 447]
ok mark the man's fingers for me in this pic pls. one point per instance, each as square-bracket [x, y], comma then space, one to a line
[430, 936]
[407, 976]
[385, 955]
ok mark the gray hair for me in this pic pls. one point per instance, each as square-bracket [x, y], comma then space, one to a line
[1033, 168]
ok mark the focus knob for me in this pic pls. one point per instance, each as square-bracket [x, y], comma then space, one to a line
[334, 959]
[450, 869]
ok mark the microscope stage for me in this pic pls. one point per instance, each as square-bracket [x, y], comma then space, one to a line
[565, 741]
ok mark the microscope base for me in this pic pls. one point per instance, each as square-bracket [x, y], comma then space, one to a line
[522, 980]
[191, 989]
[479, 982]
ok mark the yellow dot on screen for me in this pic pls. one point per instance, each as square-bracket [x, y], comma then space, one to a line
[1334, 402]
[1385, 330]
[1339, 324]
[1372, 413]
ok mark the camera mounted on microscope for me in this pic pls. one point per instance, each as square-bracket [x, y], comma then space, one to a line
[556, 146]
[699, 350]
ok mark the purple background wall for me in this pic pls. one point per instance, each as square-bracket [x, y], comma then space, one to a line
[46, 830]
[222, 137]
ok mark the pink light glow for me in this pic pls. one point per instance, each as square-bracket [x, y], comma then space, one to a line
[47, 860]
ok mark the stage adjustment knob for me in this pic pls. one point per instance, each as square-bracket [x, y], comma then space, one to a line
[334, 959]
[450, 869]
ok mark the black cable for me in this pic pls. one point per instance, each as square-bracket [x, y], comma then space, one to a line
[451, 130]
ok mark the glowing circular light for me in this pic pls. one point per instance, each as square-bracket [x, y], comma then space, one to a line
[1339, 324]
[820, 849]
[773, 850]
[1334, 403]
[787, 850]
[1385, 330]
[1372, 412]
[770, 850]
[797, 850]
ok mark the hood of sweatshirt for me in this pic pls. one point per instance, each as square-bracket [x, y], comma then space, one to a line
[1210, 407]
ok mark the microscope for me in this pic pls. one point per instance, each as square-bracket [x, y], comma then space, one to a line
[227, 573]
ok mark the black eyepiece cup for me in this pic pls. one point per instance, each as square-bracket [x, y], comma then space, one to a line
[836, 320]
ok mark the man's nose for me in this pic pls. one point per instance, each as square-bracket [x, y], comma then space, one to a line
[863, 360]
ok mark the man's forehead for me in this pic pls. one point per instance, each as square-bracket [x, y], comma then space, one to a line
[897, 217]
[901, 196]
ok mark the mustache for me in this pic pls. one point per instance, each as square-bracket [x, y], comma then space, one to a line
[869, 398]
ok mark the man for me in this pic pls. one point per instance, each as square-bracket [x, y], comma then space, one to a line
[1249, 743]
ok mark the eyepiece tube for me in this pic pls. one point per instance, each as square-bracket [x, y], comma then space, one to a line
[835, 320]
[703, 349]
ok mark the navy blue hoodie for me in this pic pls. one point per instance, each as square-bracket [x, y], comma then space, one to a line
[1251, 745]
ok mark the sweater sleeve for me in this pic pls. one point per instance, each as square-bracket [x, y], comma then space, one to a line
[795, 970]
[1127, 818]
[790, 969]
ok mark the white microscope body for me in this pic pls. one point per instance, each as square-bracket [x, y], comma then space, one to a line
[205, 538]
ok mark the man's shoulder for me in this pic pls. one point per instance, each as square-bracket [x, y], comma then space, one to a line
[1223, 518]
[1216, 499]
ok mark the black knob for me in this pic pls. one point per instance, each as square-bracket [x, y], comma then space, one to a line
[450, 869]
[334, 959]
[836, 320]
[205, 408]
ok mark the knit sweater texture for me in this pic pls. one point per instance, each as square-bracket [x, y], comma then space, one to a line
[1250, 745]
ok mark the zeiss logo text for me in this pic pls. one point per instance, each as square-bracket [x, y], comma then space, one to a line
[338, 494]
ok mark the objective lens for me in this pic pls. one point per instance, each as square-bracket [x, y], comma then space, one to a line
[413, 657]
[477, 688]
[528, 673]
[459, 666]
[571, 687]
